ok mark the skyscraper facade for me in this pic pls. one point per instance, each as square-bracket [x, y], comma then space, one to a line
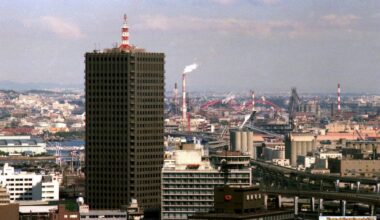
[124, 127]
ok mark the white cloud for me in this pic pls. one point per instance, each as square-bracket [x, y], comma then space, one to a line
[258, 2]
[250, 27]
[224, 25]
[340, 20]
[56, 25]
[224, 2]
[268, 2]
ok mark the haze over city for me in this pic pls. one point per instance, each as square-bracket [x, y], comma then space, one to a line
[268, 45]
[197, 109]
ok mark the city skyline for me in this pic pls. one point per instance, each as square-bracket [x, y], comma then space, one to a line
[266, 45]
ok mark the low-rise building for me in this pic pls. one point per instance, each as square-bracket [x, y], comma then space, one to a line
[104, 215]
[361, 168]
[281, 162]
[275, 152]
[237, 203]
[21, 144]
[9, 211]
[305, 161]
[29, 186]
[62, 214]
[328, 155]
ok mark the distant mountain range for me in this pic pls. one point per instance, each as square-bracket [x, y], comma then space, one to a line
[10, 85]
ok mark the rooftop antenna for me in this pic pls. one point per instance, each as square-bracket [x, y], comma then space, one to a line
[125, 46]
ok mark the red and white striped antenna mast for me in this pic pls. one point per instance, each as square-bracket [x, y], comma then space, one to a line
[125, 46]
[338, 98]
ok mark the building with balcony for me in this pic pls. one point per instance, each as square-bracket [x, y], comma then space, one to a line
[29, 186]
[188, 183]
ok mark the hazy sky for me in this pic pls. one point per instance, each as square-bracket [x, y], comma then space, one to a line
[265, 45]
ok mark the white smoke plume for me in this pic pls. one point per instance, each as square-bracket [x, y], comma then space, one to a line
[190, 68]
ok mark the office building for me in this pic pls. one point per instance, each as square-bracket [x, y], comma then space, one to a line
[188, 182]
[29, 186]
[124, 126]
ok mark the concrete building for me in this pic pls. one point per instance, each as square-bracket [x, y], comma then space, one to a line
[20, 144]
[4, 196]
[368, 149]
[249, 203]
[188, 184]
[298, 144]
[281, 162]
[124, 128]
[235, 159]
[104, 215]
[40, 212]
[305, 161]
[328, 155]
[275, 152]
[360, 168]
[62, 214]
[310, 107]
[29, 186]
[9, 211]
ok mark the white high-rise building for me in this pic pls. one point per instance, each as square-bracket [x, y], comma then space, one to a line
[29, 186]
[188, 183]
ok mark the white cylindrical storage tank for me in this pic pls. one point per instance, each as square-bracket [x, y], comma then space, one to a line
[281, 154]
[304, 148]
[293, 156]
[237, 141]
[244, 139]
[250, 143]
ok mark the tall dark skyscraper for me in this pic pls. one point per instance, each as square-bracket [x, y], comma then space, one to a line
[124, 126]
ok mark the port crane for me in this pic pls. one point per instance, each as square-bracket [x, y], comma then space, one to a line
[249, 122]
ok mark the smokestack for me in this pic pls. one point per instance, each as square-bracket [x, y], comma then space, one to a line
[338, 98]
[175, 99]
[253, 101]
[175, 95]
[184, 106]
[125, 36]
[188, 69]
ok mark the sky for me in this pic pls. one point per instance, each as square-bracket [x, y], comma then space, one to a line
[239, 45]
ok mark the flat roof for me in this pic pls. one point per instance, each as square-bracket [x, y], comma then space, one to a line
[37, 209]
[104, 212]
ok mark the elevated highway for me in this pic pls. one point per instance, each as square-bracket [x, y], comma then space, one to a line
[281, 181]
[371, 199]
[325, 177]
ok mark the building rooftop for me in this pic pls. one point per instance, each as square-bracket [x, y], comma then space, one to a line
[36, 208]
[104, 212]
[257, 214]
